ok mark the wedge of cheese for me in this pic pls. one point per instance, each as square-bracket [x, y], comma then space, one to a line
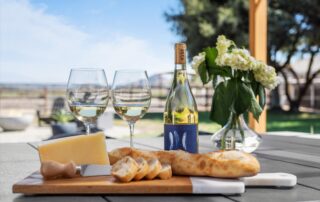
[82, 150]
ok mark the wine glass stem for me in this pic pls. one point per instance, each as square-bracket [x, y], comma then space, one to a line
[87, 126]
[131, 126]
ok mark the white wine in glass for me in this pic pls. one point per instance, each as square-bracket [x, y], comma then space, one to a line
[87, 113]
[131, 96]
[131, 112]
[87, 94]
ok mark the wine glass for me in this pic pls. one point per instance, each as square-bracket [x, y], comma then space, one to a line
[87, 94]
[131, 95]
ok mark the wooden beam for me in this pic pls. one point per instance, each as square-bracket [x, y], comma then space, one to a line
[258, 48]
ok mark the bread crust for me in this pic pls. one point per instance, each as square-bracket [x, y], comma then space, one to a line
[221, 164]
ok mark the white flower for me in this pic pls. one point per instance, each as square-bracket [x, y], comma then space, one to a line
[223, 44]
[240, 59]
[266, 75]
[237, 59]
[243, 59]
[224, 59]
[197, 60]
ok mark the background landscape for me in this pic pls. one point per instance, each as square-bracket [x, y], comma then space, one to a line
[41, 40]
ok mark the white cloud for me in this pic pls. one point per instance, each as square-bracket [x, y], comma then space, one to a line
[39, 47]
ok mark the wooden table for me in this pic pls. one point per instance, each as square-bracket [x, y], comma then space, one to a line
[299, 156]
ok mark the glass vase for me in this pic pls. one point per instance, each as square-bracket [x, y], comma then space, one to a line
[236, 135]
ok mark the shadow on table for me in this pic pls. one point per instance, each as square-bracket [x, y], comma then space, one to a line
[54, 198]
[120, 198]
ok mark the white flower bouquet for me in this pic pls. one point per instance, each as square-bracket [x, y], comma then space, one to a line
[244, 79]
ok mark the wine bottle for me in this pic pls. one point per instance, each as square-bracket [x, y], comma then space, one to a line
[180, 115]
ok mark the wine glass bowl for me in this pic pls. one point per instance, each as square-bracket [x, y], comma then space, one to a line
[131, 96]
[87, 94]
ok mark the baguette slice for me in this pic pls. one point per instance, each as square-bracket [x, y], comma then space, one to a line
[125, 169]
[154, 168]
[166, 172]
[143, 168]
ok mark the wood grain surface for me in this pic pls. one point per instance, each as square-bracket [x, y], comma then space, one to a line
[35, 184]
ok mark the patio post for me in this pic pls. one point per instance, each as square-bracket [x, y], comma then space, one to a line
[258, 48]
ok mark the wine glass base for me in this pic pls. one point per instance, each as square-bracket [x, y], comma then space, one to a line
[95, 170]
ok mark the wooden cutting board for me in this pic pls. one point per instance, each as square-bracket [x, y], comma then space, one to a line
[34, 184]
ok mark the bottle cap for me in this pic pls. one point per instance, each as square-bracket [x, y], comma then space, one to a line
[180, 53]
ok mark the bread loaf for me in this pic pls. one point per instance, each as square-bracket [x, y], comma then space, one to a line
[221, 164]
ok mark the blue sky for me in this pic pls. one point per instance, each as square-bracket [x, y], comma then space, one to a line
[40, 40]
[101, 18]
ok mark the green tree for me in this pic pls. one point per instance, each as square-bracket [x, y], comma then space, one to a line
[293, 31]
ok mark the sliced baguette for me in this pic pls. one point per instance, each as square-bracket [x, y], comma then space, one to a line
[125, 169]
[166, 172]
[154, 168]
[222, 164]
[143, 168]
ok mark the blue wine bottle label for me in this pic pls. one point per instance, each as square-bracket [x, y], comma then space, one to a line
[182, 136]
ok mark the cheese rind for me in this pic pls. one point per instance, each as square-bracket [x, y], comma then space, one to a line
[82, 149]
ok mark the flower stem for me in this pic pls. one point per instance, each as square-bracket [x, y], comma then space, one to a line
[241, 130]
[231, 125]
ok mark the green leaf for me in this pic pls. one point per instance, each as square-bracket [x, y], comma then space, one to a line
[247, 77]
[254, 86]
[262, 96]
[221, 71]
[214, 81]
[211, 55]
[242, 97]
[239, 74]
[236, 96]
[257, 90]
[204, 76]
[231, 95]
[221, 102]
[255, 109]
[254, 106]
[254, 83]
[212, 67]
